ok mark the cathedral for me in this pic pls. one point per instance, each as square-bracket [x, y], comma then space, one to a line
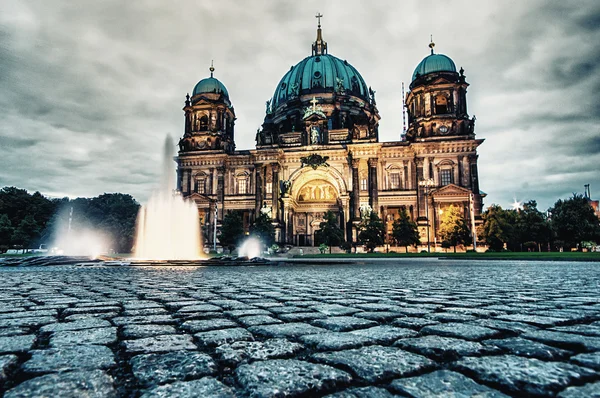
[318, 150]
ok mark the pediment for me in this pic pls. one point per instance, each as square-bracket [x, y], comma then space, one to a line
[198, 198]
[451, 190]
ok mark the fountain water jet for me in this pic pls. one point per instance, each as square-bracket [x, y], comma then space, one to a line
[168, 226]
[250, 248]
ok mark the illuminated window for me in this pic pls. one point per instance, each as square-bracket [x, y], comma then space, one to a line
[269, 187]
[395, 181]
[441, 105]
[201, 186]
[242, 186]
[363, 184]
[446, 177]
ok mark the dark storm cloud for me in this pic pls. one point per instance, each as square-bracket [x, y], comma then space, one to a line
[90, 89]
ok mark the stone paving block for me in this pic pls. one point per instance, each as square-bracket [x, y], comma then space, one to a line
[414, 323]
[214, 338]
[362, 392]
[479, 312]
[343, 323]
[239, 313]
[231, 304]
[506, 326]
[145, 311]
[450, 317]
[141, 320]
[83, 357]
[101, 336]
[206, 387]
[285, 310]
[89, 310]
[379, 316]
[7, 363]
[586, 330]
[335, 341]
[536, 320]
[590, 390]
[140, 304]
[377, 363]
[162, 343]
[334, 309]
[200, 308]
[385, 334]
[87, 323]
[241, 351]
[445, 348]
[255, 320]
[286, 330]
[568, 341]
[141, 331]
[443, 383]
[13, 331]
[589, 360]
[302, 316]
[100, 315]
[208, 324]
[529, 348]
[92, 384]
[14, 344]
[289, 377]
[173, 366]
[27, 314]
[524, 375]
[461, 331]
[198, 315]
[415, 312]
[27, 322]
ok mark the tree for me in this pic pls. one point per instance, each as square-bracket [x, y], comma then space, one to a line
[232, 230]
[454, 227]
[574, 221]
[6, 231]
[263, 229]
[498, 227]
[330, 233]
[27, 233]
[372, 232]
[405, 232]
[532, 227]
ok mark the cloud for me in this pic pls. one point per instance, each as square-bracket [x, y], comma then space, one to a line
[91, 89]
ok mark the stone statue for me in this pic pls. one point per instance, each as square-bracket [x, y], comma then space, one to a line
[284, 186]
[372, 95]
[339, 85]
[268, 104]
[314, 135]
[258, 137]
[365, 211]
[294, 87]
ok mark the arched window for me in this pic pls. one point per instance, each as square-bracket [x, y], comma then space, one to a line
[446, 172]
[441, 104]
[204, 123]
[241, 184]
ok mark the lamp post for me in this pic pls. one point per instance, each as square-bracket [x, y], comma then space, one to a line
[427, 184]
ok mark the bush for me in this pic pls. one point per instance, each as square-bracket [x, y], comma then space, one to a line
[323, 248]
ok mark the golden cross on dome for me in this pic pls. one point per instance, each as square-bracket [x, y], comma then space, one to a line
[319, 16]
[314, 103]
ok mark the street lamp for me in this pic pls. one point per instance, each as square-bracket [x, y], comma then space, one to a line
[427, 184]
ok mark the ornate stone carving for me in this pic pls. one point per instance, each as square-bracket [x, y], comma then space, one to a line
[314, 160]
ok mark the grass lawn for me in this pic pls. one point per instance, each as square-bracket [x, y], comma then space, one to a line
[543, 256]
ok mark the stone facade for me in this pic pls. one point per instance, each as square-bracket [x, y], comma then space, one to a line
[319, 150]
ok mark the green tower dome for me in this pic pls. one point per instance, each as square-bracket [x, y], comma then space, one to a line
[210, 85]
[434, 63]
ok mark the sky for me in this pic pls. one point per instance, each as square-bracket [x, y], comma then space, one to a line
[90, 89]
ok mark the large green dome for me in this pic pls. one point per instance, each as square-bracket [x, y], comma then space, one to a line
[320, 73]
[210, 85]
[434, 63]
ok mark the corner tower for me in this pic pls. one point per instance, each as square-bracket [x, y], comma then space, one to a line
[209, 118]
[437, 101]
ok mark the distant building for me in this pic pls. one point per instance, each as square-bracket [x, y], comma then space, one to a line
[318, 150]
[594, 203]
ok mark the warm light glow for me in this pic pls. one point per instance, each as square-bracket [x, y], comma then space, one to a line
[250, 248]
[168, 227]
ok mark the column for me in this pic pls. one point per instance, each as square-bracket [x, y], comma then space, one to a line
[259, 189]
[466, 177]
[461, 171]
[221, 190]
[275, 190]
[373, 189]
[355, 190]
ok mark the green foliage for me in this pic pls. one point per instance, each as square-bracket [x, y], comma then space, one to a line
[405, 232]
[323, 248]
[498, 227]
[532, 229]
[454, 227]
[26, 234]
[263, 229]
[372, 232]
[574, 221]
[6, 231]
[330, 233]
[232, 230]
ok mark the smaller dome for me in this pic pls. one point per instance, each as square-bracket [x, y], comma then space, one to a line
[210, 85]
[434, 63]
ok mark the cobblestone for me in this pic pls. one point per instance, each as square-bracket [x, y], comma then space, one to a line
[426, 328]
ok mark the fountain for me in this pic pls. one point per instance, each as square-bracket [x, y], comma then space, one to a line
[168, 227]
[250, 248]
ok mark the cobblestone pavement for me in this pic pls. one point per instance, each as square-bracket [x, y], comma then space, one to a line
[410, 328]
